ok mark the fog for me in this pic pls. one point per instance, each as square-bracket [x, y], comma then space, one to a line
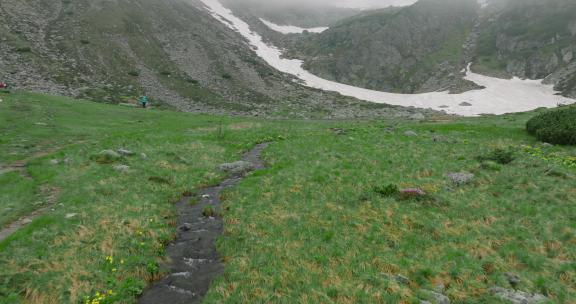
[361, 4]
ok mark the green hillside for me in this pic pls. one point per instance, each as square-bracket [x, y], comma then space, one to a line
[322, 224]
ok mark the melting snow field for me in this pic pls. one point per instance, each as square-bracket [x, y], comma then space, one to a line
[500, 95]
[290, 29]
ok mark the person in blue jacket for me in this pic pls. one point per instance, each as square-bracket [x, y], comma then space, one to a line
[143, 101]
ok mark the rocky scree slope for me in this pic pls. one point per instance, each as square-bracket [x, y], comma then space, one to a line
[406, 50]
[425, 47]
[172, 50]
[532, 39]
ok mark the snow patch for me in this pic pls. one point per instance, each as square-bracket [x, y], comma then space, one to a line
[499, 96]
[290, 29]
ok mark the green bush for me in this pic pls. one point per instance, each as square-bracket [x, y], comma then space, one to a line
[555, 127]
[500, 156]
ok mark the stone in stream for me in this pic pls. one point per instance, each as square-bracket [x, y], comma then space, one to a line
[461, 178]
[518, 297]
[185, 227]
[237, 168]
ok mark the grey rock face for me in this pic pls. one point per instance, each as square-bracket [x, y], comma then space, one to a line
[237, 168]
[461, 178]
[518, 297]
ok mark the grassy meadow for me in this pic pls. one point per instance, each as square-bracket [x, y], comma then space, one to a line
[314, 227]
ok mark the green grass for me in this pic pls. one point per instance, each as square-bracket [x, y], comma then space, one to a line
[311, 228]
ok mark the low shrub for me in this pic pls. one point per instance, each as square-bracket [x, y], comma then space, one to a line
[387, 191]
[499, 155]
[556, 127]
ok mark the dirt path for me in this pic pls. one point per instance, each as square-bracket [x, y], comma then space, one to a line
[194, 259]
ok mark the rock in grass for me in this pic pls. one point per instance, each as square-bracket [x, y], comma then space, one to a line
[461, 178]
[436, 297]
[107, 157]
[410, 133]
[125, 152]
[70, 215]
[513, 279]
[518, 297]
[121, 168]
[237, 168]
[411, 193]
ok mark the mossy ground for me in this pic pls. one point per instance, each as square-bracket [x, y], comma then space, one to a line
[309, 229]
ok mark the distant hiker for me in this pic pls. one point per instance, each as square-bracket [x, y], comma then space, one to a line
[143, 101]
[3, 85]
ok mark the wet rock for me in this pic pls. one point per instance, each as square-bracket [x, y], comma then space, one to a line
[410, 133]
[185, 227]
[237, 168]
[518, 297]
[461, 178]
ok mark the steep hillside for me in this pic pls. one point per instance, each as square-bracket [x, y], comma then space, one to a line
[530, 39]
[172, 50]
[408, 50]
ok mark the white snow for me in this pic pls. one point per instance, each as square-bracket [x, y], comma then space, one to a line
[500, 95]
[290, 29]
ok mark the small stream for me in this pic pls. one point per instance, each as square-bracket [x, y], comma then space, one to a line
[194, 261]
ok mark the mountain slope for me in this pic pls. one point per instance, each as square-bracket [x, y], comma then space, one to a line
[530, 39]
[173, 50]
[407, 50]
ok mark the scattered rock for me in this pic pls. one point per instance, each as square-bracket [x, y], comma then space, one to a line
[443, 107]
[417, 116]
[338, 131]
[143, 156]
[237, 168]
[410, 133]
[411, 193]
[437, 298]
[465, 104]
[107, 157]
[442, 139]
[461, 178]
[121, 168]
[546, 145]
[54, 162]
[26, 221]
[440, 288]
[398, 278]
[71, 215]
[518, 297]
[125, 152]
